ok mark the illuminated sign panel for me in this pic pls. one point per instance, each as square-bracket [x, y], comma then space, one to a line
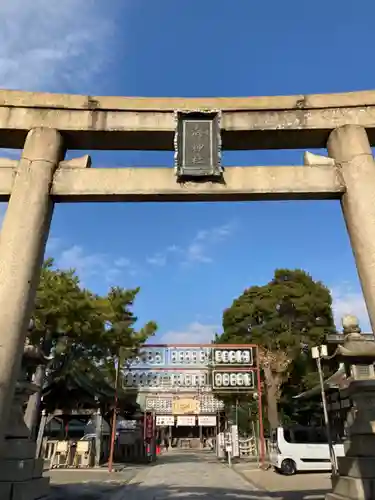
[164, 381]
[223, 380]
[233, 356]
[189, 356]
[179, 368]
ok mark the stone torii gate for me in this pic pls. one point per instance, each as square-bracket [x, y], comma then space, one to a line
[46, 125]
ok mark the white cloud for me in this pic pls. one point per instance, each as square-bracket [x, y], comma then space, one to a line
[349, 300]
[198, 250]
[85, 264]
[195, 333]
[122, 262]
[90, 265]
[53, 46]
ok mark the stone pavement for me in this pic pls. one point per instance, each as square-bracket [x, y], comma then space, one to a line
[186, 475]
[190, 475]
[91, 484]
[303, 486]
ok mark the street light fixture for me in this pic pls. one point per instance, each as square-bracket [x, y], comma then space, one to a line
[318, 353]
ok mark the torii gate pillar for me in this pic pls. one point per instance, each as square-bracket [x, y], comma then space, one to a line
[23, 239]
[350, 148]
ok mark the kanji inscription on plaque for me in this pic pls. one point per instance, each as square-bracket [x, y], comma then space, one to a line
[198, 145]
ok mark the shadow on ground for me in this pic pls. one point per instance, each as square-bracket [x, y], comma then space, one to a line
[136, 491]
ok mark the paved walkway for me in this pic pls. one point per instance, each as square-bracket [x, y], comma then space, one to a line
[89, 484]
[189, 475]
[186, 475]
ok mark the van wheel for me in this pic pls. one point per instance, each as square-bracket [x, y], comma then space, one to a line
[288, 467]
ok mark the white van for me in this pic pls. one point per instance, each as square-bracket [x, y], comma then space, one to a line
[296, 448]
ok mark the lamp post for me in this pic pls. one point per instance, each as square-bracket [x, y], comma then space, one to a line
[318, 353]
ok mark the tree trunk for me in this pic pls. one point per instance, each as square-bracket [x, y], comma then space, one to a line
[272, 403]
[272, 396]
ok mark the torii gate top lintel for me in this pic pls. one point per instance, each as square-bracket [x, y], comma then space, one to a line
[147, 123]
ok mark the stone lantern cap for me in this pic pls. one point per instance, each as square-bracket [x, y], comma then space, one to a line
[356, 349]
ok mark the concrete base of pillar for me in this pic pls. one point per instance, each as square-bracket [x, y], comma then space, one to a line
[34, 489]
[353, 488]
[356, 480]
[21, 473]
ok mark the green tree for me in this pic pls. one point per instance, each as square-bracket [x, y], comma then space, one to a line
[119, 339]
[285, 318]
[63, 308]
[81, 328]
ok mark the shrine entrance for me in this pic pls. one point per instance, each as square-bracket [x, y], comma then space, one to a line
[181, 387]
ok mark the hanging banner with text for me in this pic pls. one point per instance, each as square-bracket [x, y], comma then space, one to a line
[162, 420]
[186, 421]
[207, 421]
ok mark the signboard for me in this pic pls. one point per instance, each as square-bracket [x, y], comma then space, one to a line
[207, 421]
[233, 356]
[163, 420]
[168, 380]
[181, 406]
[235, 443]
[186, 421]
[207, 404]
[198, 144]
[232, 380]
[220, 445]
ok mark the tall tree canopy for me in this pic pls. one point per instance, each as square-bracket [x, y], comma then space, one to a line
[81, 327]
[285, 317]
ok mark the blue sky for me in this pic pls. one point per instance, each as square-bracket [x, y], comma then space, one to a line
[191, 260]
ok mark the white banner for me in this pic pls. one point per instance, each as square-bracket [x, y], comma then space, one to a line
[207, 421]
[162, 420]
[235, 443]
[185, 420]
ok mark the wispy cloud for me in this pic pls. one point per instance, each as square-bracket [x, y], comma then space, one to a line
[349, 300]
[89, 265]
[194, 333]
[198, 250]
[158, 259]
[53, 46]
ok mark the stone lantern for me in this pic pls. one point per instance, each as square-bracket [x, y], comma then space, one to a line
[20, 472]
[356, 470]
